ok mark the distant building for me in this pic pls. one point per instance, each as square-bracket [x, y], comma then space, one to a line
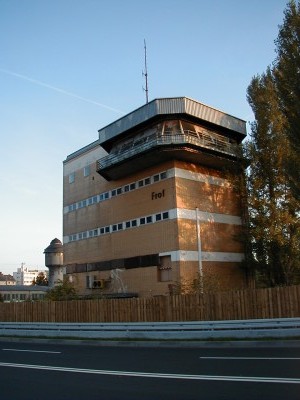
[7, 280]
[18, 293]
[149, 206]
[25, 275]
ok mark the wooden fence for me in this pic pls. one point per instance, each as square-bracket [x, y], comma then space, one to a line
[279, 302]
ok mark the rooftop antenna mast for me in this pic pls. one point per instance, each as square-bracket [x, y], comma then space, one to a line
[145, 72]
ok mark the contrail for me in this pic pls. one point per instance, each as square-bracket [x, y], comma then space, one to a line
[35, 81]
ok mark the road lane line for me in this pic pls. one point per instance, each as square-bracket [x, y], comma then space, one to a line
[250, 358]
[254, 379]
[33, 351]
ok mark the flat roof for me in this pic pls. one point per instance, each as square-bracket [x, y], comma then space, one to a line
[172, 106]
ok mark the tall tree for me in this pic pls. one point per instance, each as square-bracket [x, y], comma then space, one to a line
[273, 151]
[287, 73]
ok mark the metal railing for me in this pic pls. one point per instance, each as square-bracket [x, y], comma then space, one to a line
[159, 139]
[257, 328]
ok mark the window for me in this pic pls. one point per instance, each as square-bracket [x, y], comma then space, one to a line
[164, 270]
[126, 188]
[72, 177]
[87, 170]
[113, 193]
[114, 227]
[163, 175]
[158, 217]
[88, 282]
[149, 219]
[120, 227]
[107, 230]
[142, 221]
[134, 223]
[147, 181]
[132, 186]
[165, 215]
[141, 183]
[127, 224]
[156, 178]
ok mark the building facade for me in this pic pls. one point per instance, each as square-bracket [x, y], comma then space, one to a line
[149, 208]
[7, 280]
[20, 293]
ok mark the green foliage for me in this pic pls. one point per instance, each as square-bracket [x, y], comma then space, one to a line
[63, 291]
[40, 280]
[273, 176]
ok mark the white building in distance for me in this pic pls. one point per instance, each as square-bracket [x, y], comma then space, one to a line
[25, 275]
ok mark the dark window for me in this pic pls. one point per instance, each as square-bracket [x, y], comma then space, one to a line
[142, 221]
[158, 217]
[149, 219]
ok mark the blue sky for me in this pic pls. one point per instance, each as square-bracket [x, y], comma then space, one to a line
[70, 67]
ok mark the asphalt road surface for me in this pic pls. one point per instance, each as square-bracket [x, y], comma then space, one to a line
[33, 371]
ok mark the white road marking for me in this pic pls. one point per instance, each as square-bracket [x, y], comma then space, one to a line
[249, 358]
[152, 375]
[34, 351]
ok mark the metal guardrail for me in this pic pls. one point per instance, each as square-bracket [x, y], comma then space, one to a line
[260, 328]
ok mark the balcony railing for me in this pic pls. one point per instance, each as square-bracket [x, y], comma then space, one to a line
[147, 143]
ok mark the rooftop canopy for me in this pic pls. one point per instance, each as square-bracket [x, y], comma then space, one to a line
[177, 106]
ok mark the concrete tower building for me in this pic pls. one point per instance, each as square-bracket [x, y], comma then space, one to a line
[54, 261]
[152, 198]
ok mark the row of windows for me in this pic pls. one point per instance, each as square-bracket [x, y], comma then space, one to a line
[118, 191]
[22, 296]
[120, 226]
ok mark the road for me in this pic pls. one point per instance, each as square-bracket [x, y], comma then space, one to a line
[71, 372]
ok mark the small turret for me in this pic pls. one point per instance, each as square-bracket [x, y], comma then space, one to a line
[54, 261]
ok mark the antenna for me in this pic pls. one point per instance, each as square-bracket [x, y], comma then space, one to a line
[145, 73]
